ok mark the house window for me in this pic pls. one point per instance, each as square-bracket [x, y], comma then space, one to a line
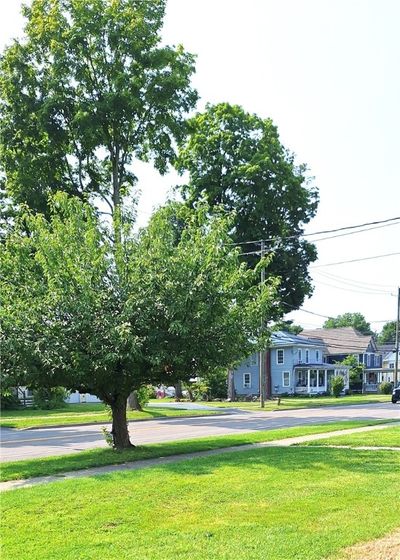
[246, 380]
[280, 357]
[300, 356]
[391, 365]
[286, 379]
[307, 356]
[301, 378]
[317, 356]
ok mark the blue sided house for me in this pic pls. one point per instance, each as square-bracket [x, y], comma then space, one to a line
[294, 364]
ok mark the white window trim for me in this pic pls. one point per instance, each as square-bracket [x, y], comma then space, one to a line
[278, 363]
[283, 379]
[247, 385]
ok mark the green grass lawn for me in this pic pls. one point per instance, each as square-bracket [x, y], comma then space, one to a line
[84, 414]
[305, 402]
[98, 457]
[387, 437]
[298, 503]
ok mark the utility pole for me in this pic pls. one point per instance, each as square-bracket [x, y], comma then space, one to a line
[262, 352]
[396, 357]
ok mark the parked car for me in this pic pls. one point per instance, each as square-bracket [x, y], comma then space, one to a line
[170, 391]
[396, 395]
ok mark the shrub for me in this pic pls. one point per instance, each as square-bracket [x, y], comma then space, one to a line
[9, 401]
[337, 385]
[385, 388]
[199, 390]
[217, 384]
[47, 398]
[144, 394]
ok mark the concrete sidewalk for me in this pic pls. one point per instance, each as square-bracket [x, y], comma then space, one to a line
[147, 463]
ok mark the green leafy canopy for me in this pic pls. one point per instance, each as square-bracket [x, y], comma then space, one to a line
[173, 302]
[355, 320]
[235, 159]
[86, 91]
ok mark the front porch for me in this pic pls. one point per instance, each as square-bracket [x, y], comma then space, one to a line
[315, 380]
[374, 377]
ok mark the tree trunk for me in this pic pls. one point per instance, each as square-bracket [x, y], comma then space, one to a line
[231, 386]
[133, 402]
[178, 391]
[119, 430]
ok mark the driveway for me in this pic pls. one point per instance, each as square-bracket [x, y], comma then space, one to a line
[43, 442]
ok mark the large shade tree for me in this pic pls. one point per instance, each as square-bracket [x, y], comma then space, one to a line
[235, 159]
[170, 303]
[87, 90]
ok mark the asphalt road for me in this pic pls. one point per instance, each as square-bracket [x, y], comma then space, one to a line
[26, 444]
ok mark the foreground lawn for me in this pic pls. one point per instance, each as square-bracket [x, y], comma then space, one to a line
[305, 402]
[387, 437]
[98, 457]
[278, 503]
[85, 414]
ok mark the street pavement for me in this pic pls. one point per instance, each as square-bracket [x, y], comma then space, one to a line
[26, 444]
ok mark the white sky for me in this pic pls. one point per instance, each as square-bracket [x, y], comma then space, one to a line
[327, 73]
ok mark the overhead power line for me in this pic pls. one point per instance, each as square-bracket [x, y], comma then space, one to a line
[293, 308]
[352, 282]
[306, 311]
[352, 289]
[354, 232]
[355, 226]
[356, 260]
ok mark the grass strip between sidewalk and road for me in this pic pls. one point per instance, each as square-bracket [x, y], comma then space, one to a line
[387, 437]
[47, 466]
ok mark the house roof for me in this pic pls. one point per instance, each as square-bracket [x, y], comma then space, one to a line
[345, 340]
[323, 365]
[390, 356]
[387, 347]
[283, 338]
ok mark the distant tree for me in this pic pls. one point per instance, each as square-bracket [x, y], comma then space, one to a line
[355, 320]
[388, 333]
[287, 326]
[164, 307]
[236, 160]
[356, 369]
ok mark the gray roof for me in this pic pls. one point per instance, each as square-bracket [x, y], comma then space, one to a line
[387, 347]
[345, 340]
[283, 338]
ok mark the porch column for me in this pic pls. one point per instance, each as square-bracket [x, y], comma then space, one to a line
[326, 380]
[308, 381]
